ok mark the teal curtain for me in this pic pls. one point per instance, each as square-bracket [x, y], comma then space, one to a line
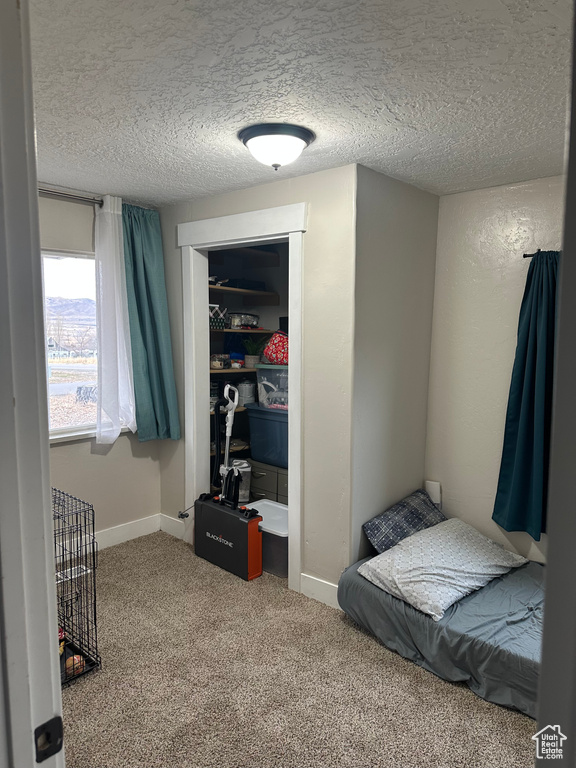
[521, 497]
[154, 388]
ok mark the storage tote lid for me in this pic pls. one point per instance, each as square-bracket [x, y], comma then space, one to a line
[258, 411]
[274, 516]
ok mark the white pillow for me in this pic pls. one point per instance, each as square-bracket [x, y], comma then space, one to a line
[438, 566]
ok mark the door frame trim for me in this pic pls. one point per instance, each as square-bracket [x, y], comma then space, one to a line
[29, 662]
[282, 224]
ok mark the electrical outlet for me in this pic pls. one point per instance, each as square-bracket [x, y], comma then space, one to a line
[434, 490]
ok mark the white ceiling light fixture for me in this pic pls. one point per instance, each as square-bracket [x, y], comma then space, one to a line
[276, 144]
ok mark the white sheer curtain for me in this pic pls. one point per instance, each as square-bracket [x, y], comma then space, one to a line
[115, 408]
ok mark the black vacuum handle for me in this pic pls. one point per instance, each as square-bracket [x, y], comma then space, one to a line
[231, 489]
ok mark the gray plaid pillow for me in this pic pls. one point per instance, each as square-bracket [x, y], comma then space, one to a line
[414, 513]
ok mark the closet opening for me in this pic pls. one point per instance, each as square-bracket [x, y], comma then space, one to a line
[257, 280]
[248, 292]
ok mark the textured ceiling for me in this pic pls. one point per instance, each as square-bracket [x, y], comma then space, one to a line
[144, 98]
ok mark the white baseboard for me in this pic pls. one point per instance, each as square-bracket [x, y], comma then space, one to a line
[318, 589]
[172, 525]
[118, 534]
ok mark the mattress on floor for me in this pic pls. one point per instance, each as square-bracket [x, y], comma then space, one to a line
[490, 639]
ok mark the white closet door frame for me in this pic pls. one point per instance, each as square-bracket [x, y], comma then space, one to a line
[29, 662]
[285, 223]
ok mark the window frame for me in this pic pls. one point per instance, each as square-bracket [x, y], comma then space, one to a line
[82, 431]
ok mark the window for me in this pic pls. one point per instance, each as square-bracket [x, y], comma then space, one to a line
[71, 341]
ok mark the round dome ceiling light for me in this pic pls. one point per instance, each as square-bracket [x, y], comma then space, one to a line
[276, 144]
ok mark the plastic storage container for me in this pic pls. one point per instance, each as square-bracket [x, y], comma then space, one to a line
[273, 386]
[274, 527]
[268, 435]
[246, 392]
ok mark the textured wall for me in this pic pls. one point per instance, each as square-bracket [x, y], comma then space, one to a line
[395, 254]
[172, 451]
[328, 318]
[65, 225]
[480, 278]
[121, 481]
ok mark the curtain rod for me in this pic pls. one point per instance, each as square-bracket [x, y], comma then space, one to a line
[529, 255]
[69, 196]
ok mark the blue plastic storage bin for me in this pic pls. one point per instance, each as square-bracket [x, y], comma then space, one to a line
[268, 435]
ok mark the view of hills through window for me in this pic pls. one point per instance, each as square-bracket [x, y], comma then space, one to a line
[71, 340]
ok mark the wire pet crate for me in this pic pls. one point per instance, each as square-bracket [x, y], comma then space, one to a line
[76, 559]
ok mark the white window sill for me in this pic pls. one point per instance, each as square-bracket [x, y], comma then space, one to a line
[82, 433]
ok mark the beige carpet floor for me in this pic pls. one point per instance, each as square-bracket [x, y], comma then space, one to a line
[203, 670]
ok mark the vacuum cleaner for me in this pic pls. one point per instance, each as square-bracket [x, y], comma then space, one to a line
[225, 533]
[229, 477]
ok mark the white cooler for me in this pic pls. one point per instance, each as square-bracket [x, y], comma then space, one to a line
[274, 527]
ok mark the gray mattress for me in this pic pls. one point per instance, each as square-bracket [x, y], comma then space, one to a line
[490, 639]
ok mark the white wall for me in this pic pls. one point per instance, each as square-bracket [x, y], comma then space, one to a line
[328, 317]
[122, 481]
[396, 230]
[172, 451]
[66, 225]
[480, 279]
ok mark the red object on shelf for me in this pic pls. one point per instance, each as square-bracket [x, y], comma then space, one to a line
[277, 349]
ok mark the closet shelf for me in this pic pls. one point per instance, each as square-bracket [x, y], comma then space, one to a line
[242, 291]
[234, 449]
[250, 297]
[233, 370]
[239, 330]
